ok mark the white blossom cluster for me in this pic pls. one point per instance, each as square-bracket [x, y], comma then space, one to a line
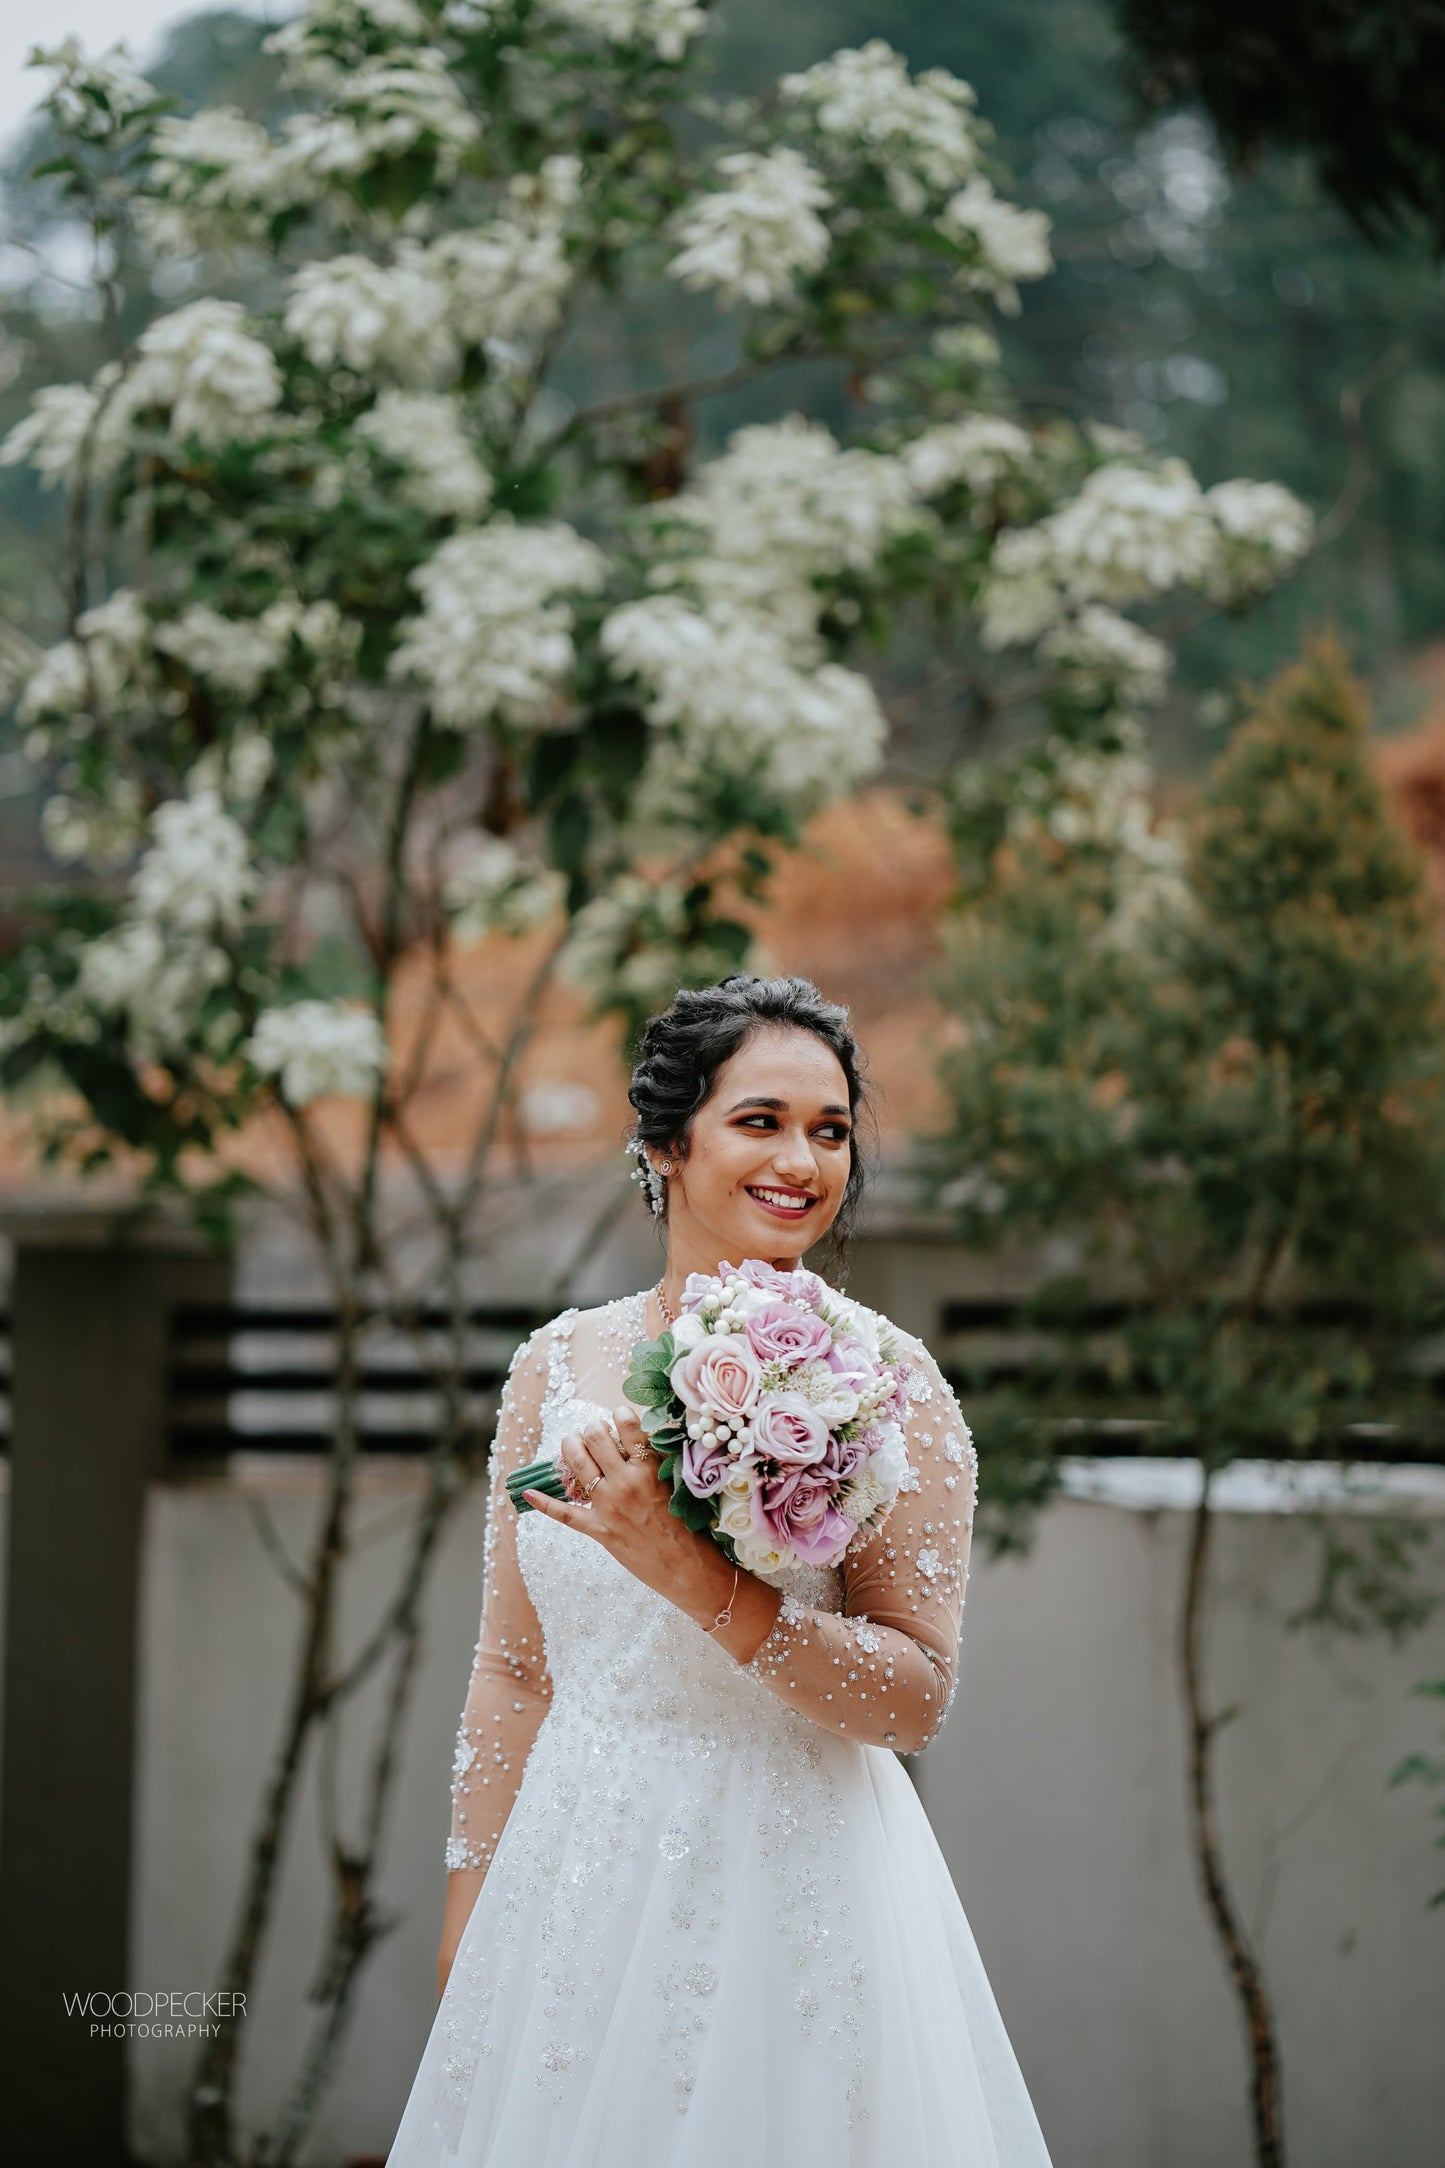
[386, 91]
[157, 966]
[236, 655]
[197, 876]
[389, 317]
[489, 887]
[781, 509]
[423, 433]
[409, 318]
[494, 637]
[331, 38]
[1104, 654]
[920, 133]
[319, 1049]
[1007, 243]
[1084, 797]
[156, 981]
[70, 426]
[218, 381]
[510, 275]
[200, 364]
[94, 99]
[1263, 529]
[1131, 534]
[668, 26]
[749, 240]
[100, 832]
[974, 453]
[92, 670]
[742, 704]
[213, 176]
[738, 676]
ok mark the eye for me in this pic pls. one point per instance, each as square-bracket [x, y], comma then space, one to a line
[837, 1132]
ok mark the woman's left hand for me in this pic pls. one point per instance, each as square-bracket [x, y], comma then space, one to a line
[626, 1510]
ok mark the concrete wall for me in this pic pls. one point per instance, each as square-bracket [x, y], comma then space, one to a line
[1056, 1790]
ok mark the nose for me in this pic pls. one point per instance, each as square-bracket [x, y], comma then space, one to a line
[793, 1160]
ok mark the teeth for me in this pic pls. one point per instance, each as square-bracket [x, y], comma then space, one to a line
[779, 1197]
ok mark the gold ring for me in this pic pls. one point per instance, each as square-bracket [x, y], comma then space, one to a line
[589, 1488]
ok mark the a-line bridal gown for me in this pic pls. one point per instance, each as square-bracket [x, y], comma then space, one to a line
[716, 1929]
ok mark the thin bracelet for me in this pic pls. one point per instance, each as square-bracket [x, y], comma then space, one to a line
[724, 1618]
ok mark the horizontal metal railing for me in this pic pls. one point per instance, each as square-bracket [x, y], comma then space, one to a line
[263, 1377]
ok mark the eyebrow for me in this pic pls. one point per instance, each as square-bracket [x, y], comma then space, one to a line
[779, 1106]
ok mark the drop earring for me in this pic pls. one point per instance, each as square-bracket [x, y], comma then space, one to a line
[651, 1178]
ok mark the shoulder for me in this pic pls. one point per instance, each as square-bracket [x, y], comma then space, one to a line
[908, 1347]
[534, 1351]
[924, 1380]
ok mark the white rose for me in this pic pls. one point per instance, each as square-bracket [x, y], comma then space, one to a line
[889, 1464]
[687, 1332]
[735, 1519]
[756, 1554]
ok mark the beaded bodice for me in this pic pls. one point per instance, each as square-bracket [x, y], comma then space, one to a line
[613, 1646]
[867, 1649]
[628, 1759]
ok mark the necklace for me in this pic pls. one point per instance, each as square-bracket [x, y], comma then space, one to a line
[669, 1315]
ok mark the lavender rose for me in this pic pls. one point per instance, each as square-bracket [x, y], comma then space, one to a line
[787, 1428]
[805, 1286]
[754, 1273]
[794, 1511]
[781, 1334]
[853, 1363]
[705, 1468]
[721, 1374]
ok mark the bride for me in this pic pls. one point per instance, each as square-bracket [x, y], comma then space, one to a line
[696, 1916]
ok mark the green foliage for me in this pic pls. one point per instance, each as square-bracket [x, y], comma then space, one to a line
[1427, 1769]
[1359, 85]
[1221, 1089]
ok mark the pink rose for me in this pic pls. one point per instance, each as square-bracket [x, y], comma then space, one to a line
[786, 1428]
[721, 1374]
[782, 1333]
[754, 1273]
[793, 1510]
[704, 1467]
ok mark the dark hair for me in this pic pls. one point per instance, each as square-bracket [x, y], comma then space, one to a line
[684, 1047]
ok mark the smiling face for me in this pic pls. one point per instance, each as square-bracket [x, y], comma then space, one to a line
[768, 1157]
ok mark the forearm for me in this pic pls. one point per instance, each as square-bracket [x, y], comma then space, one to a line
[711, 1585]
[856, 1676]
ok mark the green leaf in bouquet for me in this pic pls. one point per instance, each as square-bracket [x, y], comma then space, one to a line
[656, 1420]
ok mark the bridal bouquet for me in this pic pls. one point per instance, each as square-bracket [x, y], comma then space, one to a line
[775, 1406]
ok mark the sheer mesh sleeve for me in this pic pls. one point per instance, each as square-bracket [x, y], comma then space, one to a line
[885, 1669]
[509, 1689]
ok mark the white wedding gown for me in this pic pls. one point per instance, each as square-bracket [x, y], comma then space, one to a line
[716, 1930]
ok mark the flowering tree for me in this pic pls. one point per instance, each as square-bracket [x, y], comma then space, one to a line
[376, 624]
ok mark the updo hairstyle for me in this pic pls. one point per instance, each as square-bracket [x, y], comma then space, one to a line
[685, 1046]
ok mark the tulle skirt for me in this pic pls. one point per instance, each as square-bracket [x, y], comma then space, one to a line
[688, 1954]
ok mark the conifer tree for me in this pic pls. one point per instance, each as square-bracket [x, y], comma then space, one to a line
[1213, 1055]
